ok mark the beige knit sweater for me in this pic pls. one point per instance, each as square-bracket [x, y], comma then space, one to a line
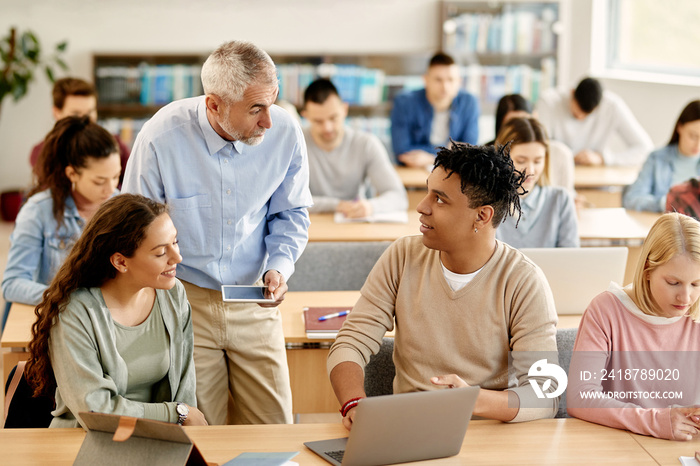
[508, 306]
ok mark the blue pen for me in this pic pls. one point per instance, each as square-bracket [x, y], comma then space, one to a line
[335, 314]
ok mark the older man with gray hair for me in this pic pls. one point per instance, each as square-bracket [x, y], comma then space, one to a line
[233, 169]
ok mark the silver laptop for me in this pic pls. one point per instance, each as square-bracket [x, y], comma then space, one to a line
[399, 428]
[577, 275]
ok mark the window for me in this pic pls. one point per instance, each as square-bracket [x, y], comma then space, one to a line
[658, 36]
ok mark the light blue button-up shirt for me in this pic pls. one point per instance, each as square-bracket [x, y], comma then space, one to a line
[239, 210]
[38, 247]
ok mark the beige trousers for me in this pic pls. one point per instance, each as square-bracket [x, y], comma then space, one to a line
[239, 349]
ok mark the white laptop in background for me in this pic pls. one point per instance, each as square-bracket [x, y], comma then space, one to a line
[400, 428]
[577, 275]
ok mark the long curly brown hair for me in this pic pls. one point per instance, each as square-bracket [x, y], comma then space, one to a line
[119, 225]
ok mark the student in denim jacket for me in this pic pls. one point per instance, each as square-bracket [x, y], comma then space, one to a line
[669, 165]
[80, 166]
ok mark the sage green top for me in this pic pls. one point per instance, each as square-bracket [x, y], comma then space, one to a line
[92, 375]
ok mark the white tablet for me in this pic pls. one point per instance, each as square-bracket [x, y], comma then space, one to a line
[246, 294]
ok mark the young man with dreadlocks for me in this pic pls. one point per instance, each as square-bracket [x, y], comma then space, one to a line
[459, 299]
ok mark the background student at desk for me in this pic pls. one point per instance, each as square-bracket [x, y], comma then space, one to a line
[548, 215]
[586, 119]
[560, 161]
[77, 97]
[669, 165]
[78, 169]
[344, 163]
[424, 119]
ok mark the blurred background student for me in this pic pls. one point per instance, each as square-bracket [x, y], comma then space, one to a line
[560, 171]
[114, 330]
[548, 216]
[669, 165]
[653, 322]
[76, 97]
[78, 169]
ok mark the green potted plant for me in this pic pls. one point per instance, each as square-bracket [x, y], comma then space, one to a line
[21, 55]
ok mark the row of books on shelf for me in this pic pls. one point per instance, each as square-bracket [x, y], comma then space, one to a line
[128, 128]
[356, 85]
[511, 32]
[490, 83]
[125, 128]
[147, 84]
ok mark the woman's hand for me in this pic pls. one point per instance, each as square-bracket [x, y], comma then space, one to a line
[195, 418]
[685, 422]
[449, 381]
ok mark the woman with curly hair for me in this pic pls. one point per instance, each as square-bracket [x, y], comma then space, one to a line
[114, 331]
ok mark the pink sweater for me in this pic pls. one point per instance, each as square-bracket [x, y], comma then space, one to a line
[614, 336]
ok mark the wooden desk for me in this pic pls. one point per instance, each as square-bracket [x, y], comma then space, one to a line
[323, 228]
[666, 452]
[604, 176]
[602, 186]
[413, 178]
[547, 441]
[311, 389]
[616, 227]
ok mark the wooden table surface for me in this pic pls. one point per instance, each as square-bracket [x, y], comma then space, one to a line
[584, 176]
[548, 441]
[324, 228]
[604, 176]
[614, 223]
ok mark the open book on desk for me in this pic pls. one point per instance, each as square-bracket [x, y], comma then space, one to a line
[323, 329]
[398, 216]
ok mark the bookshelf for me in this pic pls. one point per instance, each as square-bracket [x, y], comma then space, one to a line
[131, 88]
[504, 47]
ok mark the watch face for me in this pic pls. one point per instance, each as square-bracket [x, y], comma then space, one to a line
[182, 409]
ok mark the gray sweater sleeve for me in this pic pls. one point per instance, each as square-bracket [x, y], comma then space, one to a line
[390, 192]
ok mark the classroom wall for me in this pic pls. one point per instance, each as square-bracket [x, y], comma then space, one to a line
[278, 26]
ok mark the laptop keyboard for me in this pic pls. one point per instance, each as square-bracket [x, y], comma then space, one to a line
[336, 455]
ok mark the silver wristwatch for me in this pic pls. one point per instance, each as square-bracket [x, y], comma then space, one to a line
[182, 412]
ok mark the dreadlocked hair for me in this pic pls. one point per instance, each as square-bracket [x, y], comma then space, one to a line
[488, 177]
[120, 225]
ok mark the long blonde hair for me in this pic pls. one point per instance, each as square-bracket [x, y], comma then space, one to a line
[672, 234]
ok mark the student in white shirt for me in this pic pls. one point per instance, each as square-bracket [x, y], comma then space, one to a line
[586, 118]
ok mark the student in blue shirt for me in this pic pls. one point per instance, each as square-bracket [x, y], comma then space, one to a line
[233, 169]
[78, 169]
[669, 165]
[427, 118]
[548, 214]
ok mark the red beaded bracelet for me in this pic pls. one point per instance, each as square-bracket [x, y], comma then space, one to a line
[351, 403]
